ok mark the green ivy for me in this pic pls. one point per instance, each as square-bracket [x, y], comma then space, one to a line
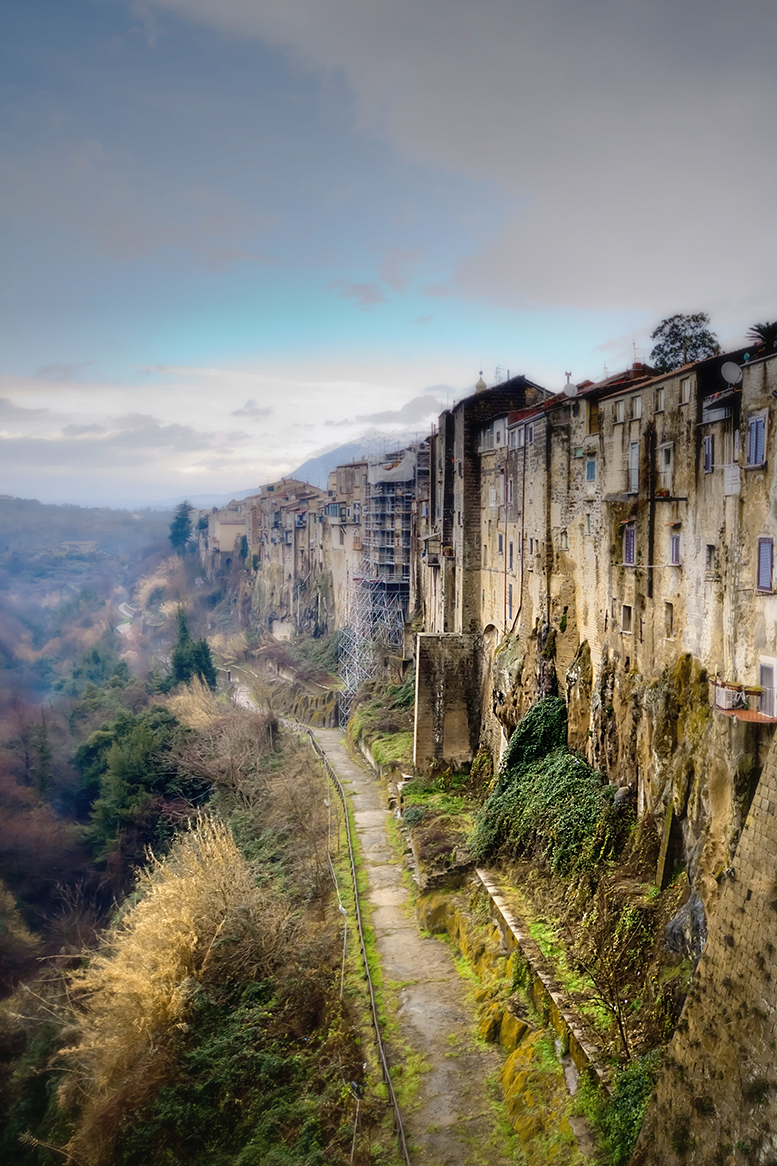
[548, 800]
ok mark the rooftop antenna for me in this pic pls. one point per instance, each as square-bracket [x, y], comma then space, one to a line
[570, 390]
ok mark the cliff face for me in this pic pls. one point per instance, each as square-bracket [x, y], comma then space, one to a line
[716, 1099]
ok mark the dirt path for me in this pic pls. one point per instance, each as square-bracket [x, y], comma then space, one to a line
[450, 1121]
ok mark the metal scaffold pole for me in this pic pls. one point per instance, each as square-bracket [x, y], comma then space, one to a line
[375, 624]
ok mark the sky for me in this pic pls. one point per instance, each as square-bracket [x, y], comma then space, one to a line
[236, 233]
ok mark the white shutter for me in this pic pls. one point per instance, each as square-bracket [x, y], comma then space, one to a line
[731, 479]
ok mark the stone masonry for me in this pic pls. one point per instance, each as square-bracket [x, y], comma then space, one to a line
[716, 1100]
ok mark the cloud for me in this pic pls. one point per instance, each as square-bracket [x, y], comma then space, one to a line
[82, 430]
[367, 295]
[424, 319]
[12, 412]
[63, 371]
[397, 265]
[419, 409]
[607, 126]
[252, 409]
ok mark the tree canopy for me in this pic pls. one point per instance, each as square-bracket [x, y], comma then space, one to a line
[181, 527]
[682, 340]
[764, 335]
[191, 657]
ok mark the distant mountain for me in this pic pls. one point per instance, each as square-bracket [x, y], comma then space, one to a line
[316, 469]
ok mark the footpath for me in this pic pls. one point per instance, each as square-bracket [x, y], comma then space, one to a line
[450, 1120]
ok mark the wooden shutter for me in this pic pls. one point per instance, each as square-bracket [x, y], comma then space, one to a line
[765, 552]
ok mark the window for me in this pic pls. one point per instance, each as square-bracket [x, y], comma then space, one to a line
[755, 440]
[665, 466]
[633, 467]
[765, 564]
[660, 398]
[509, 491]
[501, 544]
[629, 545]
[564, 541]
[669, 621]
[709, 559]
[529, 434]
[618, 412]
[674, 550]
[685, 390]
[614, 606]
[626, 618]
[766, 681]
[485, 555]
[708, 452]
[636, 408]
[510, 555]
[590, 468]
[461, 470]
[593, 417]
[521, 437]
[510, 600]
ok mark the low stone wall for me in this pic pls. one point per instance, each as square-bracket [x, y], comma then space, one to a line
[536, 1089]
[512, 953]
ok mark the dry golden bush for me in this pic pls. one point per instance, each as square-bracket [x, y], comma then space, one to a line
[195, 705]
[200, 919]
[232, 648]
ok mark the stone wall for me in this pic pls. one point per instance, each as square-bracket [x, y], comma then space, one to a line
[716, 1100]
[447, 700]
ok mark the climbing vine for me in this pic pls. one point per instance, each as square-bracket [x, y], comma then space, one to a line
[548, 800]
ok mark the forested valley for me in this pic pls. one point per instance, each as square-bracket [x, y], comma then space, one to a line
[170, 952]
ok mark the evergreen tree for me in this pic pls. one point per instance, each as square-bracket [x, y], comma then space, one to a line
[682, 340]
[191, 657]
[181, 527]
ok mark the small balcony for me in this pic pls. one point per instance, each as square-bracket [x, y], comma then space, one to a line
[752, 703]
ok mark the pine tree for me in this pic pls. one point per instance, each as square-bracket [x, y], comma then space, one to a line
[191, 657]
[181, 527]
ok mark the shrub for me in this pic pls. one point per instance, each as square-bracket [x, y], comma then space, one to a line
[200, 920]
[622, 1117]
[547, 798]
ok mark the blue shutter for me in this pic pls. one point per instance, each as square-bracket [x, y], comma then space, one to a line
[755, 443]
[765, 551]
[628, 546]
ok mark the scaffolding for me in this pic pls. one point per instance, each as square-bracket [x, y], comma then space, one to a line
[374, 629]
